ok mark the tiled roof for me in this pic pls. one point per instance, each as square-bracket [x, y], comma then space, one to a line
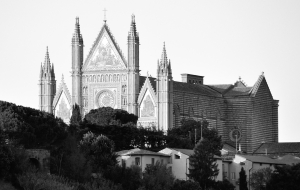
[238, 91]
[188, 152]
[195, 88]
[261, 159]
[289, 159]
[221, 88]
[138, 151]
[278, 148]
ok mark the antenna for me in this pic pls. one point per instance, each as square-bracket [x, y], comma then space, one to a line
[104, 10]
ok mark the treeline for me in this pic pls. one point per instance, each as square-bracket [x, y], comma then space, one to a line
[83, 154]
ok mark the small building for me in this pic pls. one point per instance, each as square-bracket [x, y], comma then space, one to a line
[180, 164]
[141, 158]
[250, 164]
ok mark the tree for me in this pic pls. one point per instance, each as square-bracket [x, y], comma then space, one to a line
[99, 150]
[223, 185]
[76, 116]
[243, 180]
[108, 116]
[29, 127]
[185, 185]
[260, 178]
[129, 177]
[285, 177]
[157, 177]
[203, 162]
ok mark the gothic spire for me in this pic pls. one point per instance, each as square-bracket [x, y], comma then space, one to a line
[41, 71]
[133, 32]
[47, 64]
[77, 37]
[164, 58]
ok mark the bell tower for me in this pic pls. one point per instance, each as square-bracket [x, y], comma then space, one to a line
[47, 85]
[133, 67]
[77, 61]
[164, 88]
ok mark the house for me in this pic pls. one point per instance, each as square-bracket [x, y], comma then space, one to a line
[250, 164]
[179, 162]
[141, 158]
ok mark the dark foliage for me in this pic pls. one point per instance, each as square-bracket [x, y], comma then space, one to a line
[243, 180]
[76, 116]
[223, 185]
[29, 127]
[157, 177]
[185, 185]
[285, 177]
[99, 151]
[129, 136]
[108, 116]
[129, 178]
[260, 178]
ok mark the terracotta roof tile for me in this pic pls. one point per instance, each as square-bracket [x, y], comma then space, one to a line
[279, 148]
[195, 88]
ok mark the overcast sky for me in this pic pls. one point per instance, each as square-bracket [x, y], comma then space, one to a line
[220, 40]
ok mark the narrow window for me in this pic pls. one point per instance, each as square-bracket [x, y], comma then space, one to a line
[152, 161]
[123, 163]
[137, 161]
[232, 175]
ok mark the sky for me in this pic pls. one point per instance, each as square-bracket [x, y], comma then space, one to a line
[221, 40]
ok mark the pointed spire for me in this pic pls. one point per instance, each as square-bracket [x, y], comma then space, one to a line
[164, 58]
[77, 36]
[52, 71]
[132, 31]
[41, 71]
[62, 78]
[47, 65]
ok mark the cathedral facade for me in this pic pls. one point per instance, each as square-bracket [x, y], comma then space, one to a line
[241, 114]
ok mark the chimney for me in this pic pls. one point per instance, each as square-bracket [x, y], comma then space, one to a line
[192, 79]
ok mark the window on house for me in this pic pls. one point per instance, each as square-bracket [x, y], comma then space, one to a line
[137, 161]
[162, 161]
[177, 156]
[224, 175]
[152, 161]
[260, 164]
[171, 158]
[232, 175]
[123, 163]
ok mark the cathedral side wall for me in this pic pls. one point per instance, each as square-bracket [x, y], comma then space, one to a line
[263, 129]
[190, 105]
[238, 111]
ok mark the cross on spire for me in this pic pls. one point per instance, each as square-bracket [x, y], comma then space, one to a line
[104, 10]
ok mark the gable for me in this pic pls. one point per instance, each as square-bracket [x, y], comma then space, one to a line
[63, 108]
[261, 88]
[147, 100]
[105, 54]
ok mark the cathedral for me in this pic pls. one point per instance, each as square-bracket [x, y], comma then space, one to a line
[241, 114]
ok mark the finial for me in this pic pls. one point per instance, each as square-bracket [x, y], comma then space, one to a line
[262, 73]
[62, 77]
[104, 10]
[147, 73]
[77, 20]
[132, 18]
[240, 78]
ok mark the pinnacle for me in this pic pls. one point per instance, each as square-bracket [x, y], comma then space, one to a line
[47, 60]
[164, 58]
[132, 31]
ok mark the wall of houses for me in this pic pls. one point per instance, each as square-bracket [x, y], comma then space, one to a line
[141, 160]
